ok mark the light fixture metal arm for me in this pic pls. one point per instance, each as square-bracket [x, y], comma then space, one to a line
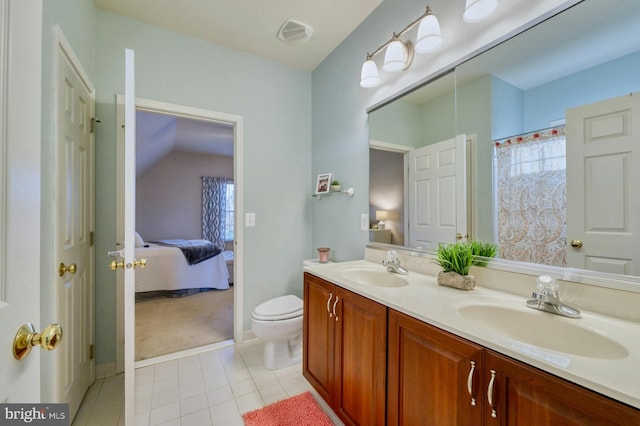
[396, 36]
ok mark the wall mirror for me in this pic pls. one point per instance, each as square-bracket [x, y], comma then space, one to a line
[569, 77]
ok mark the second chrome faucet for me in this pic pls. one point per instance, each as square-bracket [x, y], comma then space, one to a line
[546, 299]
[392, 263]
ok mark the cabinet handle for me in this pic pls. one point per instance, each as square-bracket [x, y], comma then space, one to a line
[328, 303]
[470, 383]
[334, 308]
[490, 394]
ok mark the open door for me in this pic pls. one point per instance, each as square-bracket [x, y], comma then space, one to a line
[603, 190]
[125, 262]
[20, 168]
[437, 193]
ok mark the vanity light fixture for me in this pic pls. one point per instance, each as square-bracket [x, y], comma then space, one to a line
[399, 53]
[477, 10]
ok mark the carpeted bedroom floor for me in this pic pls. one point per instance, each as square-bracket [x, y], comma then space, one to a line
[171, 324]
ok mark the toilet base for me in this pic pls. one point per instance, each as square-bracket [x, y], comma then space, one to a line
[282, 353]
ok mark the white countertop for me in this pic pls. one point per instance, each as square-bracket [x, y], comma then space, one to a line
[617, 377]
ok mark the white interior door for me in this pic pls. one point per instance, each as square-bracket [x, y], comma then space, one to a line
[20, 171]
[603, 185]
[437, 193]
[126, 251]
[75, 291]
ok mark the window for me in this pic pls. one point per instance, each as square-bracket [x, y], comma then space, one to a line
[229, 212]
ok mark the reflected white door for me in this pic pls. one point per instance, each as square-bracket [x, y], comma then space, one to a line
[20, 168]
[603, 185]
[74, 196]
[437, 193]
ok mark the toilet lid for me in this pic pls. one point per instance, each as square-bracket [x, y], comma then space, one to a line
[282, 307]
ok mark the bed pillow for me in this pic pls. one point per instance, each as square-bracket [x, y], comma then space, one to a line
[139, 240]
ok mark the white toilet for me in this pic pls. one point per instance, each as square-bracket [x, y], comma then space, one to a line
[279, 323]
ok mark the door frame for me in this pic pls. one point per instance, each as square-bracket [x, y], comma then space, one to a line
[403, 149]
[238, 177]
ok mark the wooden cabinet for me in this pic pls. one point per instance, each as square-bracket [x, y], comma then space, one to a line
[427, 376]
[344, 354]
[524, 395]
[434, 376]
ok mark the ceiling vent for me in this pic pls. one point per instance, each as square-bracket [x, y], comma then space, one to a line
[295, 32]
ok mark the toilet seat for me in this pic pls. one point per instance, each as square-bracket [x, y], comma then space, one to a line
[280, 308]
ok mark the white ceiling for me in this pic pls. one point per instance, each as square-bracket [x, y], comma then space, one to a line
[251, 26]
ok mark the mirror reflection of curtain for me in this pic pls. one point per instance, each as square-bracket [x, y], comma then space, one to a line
[214, 190]
[531, 197]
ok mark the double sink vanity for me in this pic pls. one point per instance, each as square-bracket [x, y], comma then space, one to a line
[386, 348]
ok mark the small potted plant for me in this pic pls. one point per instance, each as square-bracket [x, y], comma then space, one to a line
[335, 185]
[456, 260]
[482, 251]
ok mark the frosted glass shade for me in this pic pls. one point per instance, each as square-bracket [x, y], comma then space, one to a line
[429, 38]
[395, 57]
[477, 10]
[369, 77]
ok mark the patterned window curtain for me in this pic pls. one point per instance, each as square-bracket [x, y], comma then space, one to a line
[531, 200]
[213, 209]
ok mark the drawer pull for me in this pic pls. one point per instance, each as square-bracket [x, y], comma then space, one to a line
[328, 303]
[334, 308]
[490, 394]
[470, 383]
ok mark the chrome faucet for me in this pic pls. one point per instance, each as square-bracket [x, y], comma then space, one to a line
[546, 299]
[392, 263]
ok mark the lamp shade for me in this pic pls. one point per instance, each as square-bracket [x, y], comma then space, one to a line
[381, 215]
[395, 57]
[477, 10]
[429, 38]
[369, 77]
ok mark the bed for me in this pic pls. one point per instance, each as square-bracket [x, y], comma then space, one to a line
[168, 270]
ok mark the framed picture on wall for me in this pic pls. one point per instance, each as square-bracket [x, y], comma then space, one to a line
[323, 185]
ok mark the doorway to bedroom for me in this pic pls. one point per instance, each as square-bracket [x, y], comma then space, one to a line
[188, 192]
[185, 223]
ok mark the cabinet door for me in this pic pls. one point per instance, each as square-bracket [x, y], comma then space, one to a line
[524, 395]
[430, 372]
[318, 334]
[361, 368]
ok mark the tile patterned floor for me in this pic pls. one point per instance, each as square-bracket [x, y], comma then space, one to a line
[210, 388]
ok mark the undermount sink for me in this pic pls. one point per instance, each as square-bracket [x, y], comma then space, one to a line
[544, 330]
[375, 277]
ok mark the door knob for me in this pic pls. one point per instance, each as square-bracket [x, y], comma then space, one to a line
[27, 337]
[136, 263]
[576, 243]
[70, 269]
[115, 265]
[140, 263]
[459, 236]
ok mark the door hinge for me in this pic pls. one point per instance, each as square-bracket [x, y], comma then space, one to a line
[92, 126]
[92, 238]
[92, 351]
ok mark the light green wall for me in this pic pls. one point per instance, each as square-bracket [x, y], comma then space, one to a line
[76, 19]
[398, 123]
[275, 101]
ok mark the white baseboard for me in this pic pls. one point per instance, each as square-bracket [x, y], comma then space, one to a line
[105, 370]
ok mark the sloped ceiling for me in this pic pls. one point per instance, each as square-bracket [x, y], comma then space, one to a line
[158, 135]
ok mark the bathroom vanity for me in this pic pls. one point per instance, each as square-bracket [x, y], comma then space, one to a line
[382, 348]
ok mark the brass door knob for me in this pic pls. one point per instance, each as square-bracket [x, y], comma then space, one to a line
[576, 243]
[459, 236]
[115, 265]
[70, 269]
[140, 263]
[27, 337]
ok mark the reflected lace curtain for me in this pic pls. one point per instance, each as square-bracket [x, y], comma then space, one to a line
[531, 187]
[213, 209]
